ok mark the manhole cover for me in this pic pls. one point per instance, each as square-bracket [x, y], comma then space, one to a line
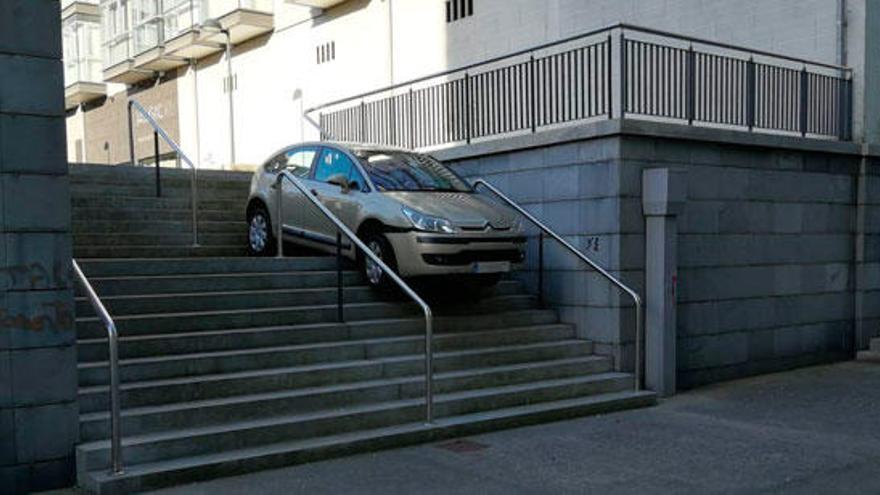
[462, 446]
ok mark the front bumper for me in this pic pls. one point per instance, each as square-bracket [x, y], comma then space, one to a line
[420, 253]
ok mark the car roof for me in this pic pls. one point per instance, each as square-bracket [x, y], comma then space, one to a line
[356, 146]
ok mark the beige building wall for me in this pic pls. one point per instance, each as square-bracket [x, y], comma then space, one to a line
[377, 42]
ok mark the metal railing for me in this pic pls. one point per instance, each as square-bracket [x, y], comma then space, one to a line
[620, 71]
[157, 132]
[637, 300]
[429, 316]
[113, 358]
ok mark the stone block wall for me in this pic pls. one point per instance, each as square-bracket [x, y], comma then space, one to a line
[575, 188]
[766, 246]
[38, 411]
[767, 240]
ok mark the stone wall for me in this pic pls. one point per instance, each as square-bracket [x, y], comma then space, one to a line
[576, 188]
[767, 239]
[766, 245]
[38, 411]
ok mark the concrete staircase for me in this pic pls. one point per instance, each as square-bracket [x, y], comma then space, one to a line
[872, 354]
[235, 364]
[116, 214]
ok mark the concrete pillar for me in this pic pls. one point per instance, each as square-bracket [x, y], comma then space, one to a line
[664, 192]
[38, 411]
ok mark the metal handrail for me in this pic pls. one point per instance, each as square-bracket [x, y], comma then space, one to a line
[113, 344]
[429, 316]
[611, 278]
[158, 131]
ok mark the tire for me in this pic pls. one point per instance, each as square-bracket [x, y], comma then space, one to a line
[261, 242]
[372, 273]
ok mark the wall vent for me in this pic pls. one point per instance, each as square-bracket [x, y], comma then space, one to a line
[458, 9]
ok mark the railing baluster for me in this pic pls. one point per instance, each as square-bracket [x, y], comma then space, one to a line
[691, 84]
[624, 76]
[804, 100]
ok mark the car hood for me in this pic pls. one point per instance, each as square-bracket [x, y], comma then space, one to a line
[468, 210]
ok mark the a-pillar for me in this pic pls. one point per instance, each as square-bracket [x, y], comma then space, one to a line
[38, 411]
[664, 193]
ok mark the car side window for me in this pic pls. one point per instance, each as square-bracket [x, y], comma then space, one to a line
[297, 161]
[332, 162]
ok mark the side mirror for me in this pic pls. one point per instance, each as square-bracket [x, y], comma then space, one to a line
[341, 181]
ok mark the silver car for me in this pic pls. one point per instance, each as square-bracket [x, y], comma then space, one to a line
[416, 214]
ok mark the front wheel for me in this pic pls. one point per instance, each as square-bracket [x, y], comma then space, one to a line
[261, 242]
[374, 274]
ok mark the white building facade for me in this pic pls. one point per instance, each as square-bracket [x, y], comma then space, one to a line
[289, 55]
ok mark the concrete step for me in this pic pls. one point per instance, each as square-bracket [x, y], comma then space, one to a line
[206, 282]
[168, 344]
[127, 174]
[324, 385]
[80, 227]
[494, 346]
[159, 251]
[138, 202]
[254, 433]
[238, 192]
[218, 300]
[85, 213]
[201, 266]
[191, 414]
[237, 318]
[292, 314]
[138, 477]
[123, 238]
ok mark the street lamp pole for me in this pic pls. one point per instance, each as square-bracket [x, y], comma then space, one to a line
[231, 98]
[214, 25]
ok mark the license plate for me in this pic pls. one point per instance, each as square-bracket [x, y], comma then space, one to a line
[491, 266]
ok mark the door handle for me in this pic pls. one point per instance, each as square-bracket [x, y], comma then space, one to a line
[314, 192]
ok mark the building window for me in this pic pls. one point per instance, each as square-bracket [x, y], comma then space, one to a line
[459, 9]
[325, 52]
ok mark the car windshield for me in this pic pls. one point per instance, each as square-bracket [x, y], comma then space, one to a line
[401, 171]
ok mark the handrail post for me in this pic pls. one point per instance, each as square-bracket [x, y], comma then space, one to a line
[640, 337]
[541, 268]
[156, 158]
[131, 134]
[194, 205]
[340, 316]
[279, 218]
[113, 365]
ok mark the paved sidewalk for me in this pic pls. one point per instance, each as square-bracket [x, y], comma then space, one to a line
[814, 430]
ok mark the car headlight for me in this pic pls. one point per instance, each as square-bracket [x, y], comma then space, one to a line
[428, 223]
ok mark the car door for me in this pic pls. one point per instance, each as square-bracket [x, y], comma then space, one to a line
[297, 209]
[346, 205]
